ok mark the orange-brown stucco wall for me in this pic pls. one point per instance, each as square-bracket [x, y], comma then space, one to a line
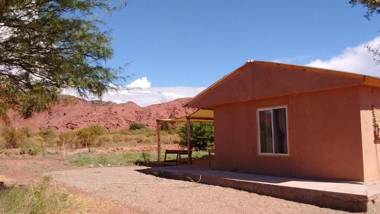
[324, 129]
[369, 97]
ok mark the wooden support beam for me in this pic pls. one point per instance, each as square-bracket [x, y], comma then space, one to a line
[189, 146]
[158, 129]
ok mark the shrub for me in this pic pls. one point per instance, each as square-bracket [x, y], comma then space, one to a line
[202, 135]
[103, 140]
[13, 137]
[136, 126]
[67, 138]
[118, 138]
[49, 135]
[2, 143]
[86, 136]
[26, 131]
[32, 149]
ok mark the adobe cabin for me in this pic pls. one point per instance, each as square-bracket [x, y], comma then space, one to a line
[296, 121]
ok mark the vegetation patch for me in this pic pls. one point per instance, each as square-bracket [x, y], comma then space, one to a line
[202, 135]
[13, 138]
[115, 159]
[86, 137]
[40, 198]
[122, 159]
[31, 148]
[136, 126]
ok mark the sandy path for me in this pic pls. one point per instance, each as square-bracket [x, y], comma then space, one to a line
[150, 194]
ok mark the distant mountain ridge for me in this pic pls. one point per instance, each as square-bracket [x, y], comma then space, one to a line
[72, 113]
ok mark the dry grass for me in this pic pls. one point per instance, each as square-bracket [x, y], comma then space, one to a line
[38, 198]
[122, 159]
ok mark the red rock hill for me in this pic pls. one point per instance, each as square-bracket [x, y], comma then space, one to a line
[72, 113]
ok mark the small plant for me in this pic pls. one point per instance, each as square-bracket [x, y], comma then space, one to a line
[136, 126]
[26, 131]
[118, 138]
[49, 135]
[13, 137]
[86, 137]
[66, 138]
[2, 143]
[103, 140]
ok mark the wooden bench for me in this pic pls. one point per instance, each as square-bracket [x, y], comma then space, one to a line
[176, 152]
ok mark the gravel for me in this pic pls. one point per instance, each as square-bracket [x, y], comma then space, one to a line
[150, 194]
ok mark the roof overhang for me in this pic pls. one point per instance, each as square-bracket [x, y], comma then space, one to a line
[201, 115]
[363, 80]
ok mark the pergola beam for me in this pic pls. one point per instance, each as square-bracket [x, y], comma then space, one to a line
[188, 140]
[158, 129]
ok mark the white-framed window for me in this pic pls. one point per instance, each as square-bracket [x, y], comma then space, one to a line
[273, 130]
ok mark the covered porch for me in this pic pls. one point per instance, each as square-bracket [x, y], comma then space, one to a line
[198, 116]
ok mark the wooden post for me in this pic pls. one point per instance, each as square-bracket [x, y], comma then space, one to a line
[158, 141]
[189, 147]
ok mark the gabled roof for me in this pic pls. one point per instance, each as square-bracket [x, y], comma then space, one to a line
[259, 79]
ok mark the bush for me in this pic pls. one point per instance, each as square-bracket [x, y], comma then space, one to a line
[67, 138]
[136, 126]
[202, 135]
[103, 140]
[32, 149]
[49, 135]
[86, 136]
[13, 137]
[119, 138]
[2, 143]
[26, 131]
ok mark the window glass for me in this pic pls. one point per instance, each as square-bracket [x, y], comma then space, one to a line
[273, 131]
[279, 131]
[266, 131]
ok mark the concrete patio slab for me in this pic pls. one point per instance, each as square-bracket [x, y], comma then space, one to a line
[354, 197]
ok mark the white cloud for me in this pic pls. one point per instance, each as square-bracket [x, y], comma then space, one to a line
[353, 59]
[141, 92]
[140, 83]
[154, 95]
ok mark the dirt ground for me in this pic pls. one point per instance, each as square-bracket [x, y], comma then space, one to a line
[149, 194]
[28, 170]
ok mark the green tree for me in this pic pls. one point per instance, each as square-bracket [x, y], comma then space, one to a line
[202, 135]
[48, 45]
[373, 6]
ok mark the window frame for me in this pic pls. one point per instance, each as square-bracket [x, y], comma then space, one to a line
[258, 131]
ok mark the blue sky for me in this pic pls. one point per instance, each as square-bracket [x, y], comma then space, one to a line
[193, 43]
